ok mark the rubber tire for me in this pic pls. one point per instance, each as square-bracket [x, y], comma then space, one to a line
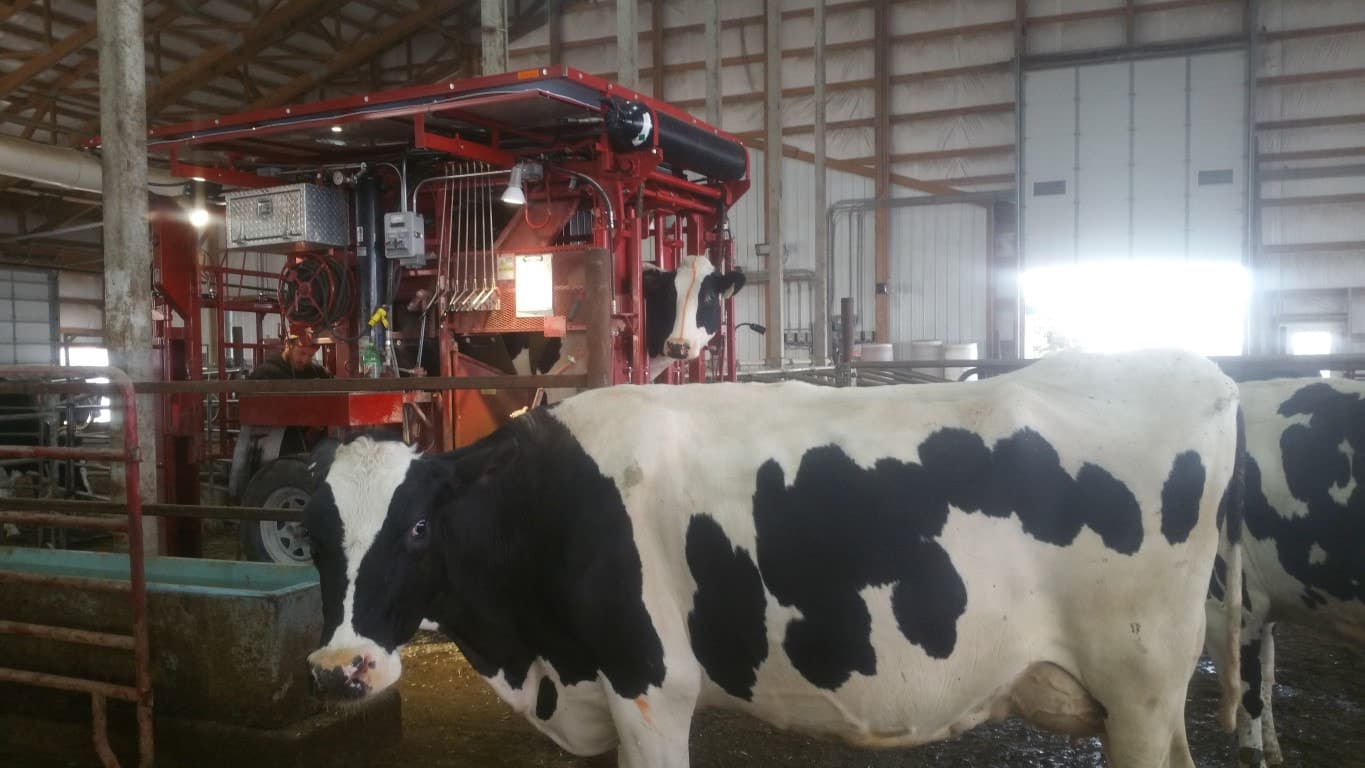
[288, 477]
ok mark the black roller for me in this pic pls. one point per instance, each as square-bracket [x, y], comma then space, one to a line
[631, 126]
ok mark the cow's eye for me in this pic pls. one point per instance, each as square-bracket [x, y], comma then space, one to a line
[418, 530]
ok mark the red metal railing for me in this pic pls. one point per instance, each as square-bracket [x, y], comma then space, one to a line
[140, 693]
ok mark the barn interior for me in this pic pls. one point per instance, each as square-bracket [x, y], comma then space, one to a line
[452, 210]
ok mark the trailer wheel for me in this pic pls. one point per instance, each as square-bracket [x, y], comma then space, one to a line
[284, 483]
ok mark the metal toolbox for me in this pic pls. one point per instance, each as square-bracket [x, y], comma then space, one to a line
[278, 218]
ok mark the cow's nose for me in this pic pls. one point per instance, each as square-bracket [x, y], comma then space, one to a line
[677, 349]
[344, 680]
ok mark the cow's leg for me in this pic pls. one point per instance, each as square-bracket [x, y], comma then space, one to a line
[654, 728]
[1147, 732]
[1273, 755]
[1250, 725]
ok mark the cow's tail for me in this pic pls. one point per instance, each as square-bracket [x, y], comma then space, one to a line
[1230, 542]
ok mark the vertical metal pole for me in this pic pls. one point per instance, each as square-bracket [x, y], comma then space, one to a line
[881, 245]
[713, 62]
[493, 20]
[555, 21]
[820, 301]
[656, 46]
[127, 245]
[627, 44]
[598, 294]
[1255, 341]
[1020, 50]
[773, 155]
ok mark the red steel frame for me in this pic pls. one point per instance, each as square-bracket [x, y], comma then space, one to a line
[140, 693]
[630, 181]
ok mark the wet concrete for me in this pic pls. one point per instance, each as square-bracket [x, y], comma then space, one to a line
[452, 719]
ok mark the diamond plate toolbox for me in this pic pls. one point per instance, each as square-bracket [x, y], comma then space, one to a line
[276, 218]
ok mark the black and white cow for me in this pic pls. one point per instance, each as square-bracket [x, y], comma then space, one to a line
[682, 313]
[1304, 550]
[889, 565]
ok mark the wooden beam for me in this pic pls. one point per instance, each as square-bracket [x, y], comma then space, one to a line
[1311, 154]
[6, 11]
[858, 169]
[60, 50]
[1302, 32]
[881, 218]
[357, 54]
[1328, 247]
[1311, 77]
[899, 119]
[1001, 67]
[224, 57]
[941, 154]
[1346, 199]
[1309, 122]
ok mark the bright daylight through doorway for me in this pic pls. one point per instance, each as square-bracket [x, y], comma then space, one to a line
[1112, 306]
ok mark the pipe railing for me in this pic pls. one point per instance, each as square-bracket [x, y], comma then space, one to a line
[140, 693]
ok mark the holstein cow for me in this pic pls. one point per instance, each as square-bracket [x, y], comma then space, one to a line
[682, 313]
[1304, 552]
[890, 565]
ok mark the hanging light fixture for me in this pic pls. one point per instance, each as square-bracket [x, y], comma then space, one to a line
[522, 172]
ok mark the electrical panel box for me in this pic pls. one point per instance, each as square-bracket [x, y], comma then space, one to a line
[405, 236]
[281, 218]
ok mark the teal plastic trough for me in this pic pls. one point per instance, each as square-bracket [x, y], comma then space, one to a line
[228, 640]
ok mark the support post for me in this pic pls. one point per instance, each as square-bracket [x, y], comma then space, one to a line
[881, 300]
[656, 46]
[493, 20]
[1255, 327]
[627, 44]
[598, 297]
[555, 22]
[821, 303]
[127, 245]
[713, 47]
[773, 156]
[1020, 52]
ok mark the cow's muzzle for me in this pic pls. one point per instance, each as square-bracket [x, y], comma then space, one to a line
[342, 674]
[678, 349]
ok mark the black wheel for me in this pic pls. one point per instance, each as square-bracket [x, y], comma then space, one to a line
[282, 484]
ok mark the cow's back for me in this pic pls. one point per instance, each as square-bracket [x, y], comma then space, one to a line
[883, 562]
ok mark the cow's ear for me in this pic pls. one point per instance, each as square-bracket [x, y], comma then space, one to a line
[730, 283]
[320, 460]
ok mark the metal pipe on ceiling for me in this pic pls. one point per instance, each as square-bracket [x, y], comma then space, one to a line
[69, 168]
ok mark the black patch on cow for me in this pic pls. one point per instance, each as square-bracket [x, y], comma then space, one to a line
[877, 527]
[1028, 480]
[726, 624]
[838, 529]
[1251, 676]
[538, 560]
[547, 697]
[1314, 465]
[1180, 497]
[661, 309]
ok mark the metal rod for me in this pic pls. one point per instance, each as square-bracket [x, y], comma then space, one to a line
[48, 452]
[119, 525]
[53, 232]
[63, 683]
[820, 301]
[99, 717]
[67, 635]
[74, 582]
[69, 506]
[296, 386]
[475, 175]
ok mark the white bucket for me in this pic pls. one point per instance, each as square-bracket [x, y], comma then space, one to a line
[878, 352]
[927, 349]
[958, 352]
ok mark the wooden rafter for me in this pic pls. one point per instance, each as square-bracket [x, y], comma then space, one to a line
[8, 10]
[356, 54]
[60, 50]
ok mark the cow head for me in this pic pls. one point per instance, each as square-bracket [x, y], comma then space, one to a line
[371, 524]
[683, 307]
